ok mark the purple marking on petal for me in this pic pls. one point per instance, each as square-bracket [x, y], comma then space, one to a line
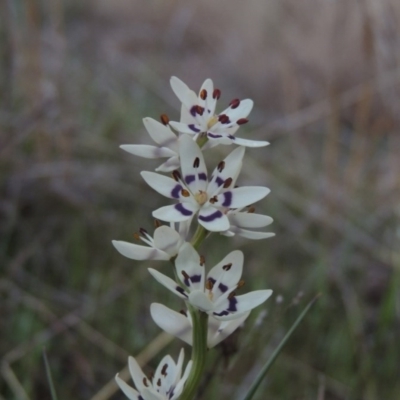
[186, 282]
[176, 191]
[193, 128]
[231, 137]
[212, 217]
[189, 179]
[227, 199]
[181, 291]
[202, 176]
[179, 207]
[214, 136]
[232, 304]
[193, 111]
[221, 314]
[195, 278]
[223, 288]
[219, 181]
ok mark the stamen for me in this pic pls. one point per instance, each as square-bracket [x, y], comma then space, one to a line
[145, 383]
[203, 94]
[196, 162]
[242, 121]
[223, 118]
[251, 210]
[185, 275]
[202, 260]
[157, 223]
[136, 236]
[232, 294]
[199, 110]
[227, 267]
[213, 199]
[234, 103]
[159, 382]
[227, 183]
[185, 193]
[183, 312]
[216, 94]
[176, 175]
[240, 283]
[164, 370]
[209, 284]
[221, 166]
[143, 231]
[164, 119]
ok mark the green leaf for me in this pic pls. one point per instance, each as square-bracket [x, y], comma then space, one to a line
[49, 378]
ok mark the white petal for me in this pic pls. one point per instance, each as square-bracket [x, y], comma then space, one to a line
[242, 111]
[150, 394]
[188, 264]
[168, 380]
[160, 133]
[167, 240]
[209, 102]
[241, 196]
[137, 252]
[193, 167]
[183, 93]
[176, 212]
[249, 143]
[168, 283]
[172, 322]
[136, 373]
[179, 387]
[186, 117]
[201, 301]
[253, 235]
[164, 185]
[249, 220]
[169, 165]
[129, 392]
[191, 129]
[147, 151]
[213, 219]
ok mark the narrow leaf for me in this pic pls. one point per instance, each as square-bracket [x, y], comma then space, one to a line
[277, 351]
[49, 378]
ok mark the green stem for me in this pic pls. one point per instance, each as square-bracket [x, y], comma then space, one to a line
[202, 140]
[199, 352]
[199, 236]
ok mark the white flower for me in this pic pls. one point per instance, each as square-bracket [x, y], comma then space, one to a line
[241, 221]
[198, 114]
[195, 193]
[164, 246]
[167, 144]
[167, 383]
[179, 324]
[215, 295]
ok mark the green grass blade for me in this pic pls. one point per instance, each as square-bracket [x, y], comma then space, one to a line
[49, 378]
[275, 354]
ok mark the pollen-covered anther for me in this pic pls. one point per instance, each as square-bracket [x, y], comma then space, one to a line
[201, 197]
[202, 260]
[164, 370]
[164, 119]
[185, 193]
[196, 162]
[145, 383]
[199, 110]
[231, 295]
[227, 183]
[224, 119]
[251, 210]
[234, 103]
[203, 94]
[209, 284]
[176, 175]
[157, 223]
[242, 121]
[216, 94]
[227, 267]
[136, 236]
[221, 166]
[240, 284]
[213, 199]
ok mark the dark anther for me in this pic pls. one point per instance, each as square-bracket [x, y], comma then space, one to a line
[185, 275]
[202, 260]
[227, 183]
[203, 94]
[221, 166]
[157, 223]
[213, 199]
[227, 267]
[164, 370]
[199, 110]
[145, 383]
[164, 119]
[176, 175]
[185, 193]
[196, 162]
[232, 294]
[143, 231]
[251, 210]
[159, 382]
[223, 118]
[242, 121]
[183, 312]
[234, 103]
[209, 284]
[216, 94]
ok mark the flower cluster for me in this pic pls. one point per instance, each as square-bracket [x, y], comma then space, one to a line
[213, 203]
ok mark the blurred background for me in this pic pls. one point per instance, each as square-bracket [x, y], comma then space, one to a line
[76, 79]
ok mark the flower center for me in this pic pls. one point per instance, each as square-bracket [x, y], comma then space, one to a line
[212, 121]
[201, 197]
